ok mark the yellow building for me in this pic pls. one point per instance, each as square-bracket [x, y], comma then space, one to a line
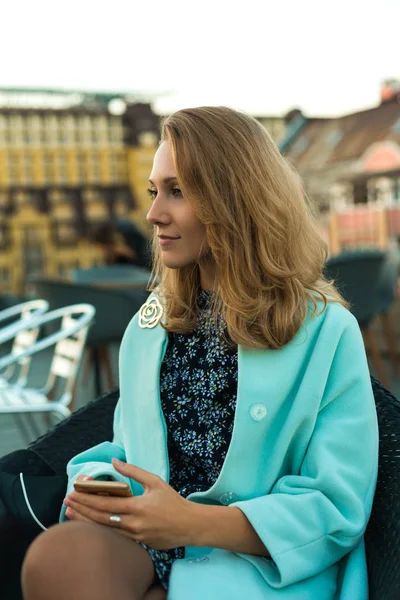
[67, 161]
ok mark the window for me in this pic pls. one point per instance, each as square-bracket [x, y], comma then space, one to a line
[81, 166]
[148, 139]
[48, 166]
[56, 196]
[4, 239]
[34, 257]
[13, 167]
[95, 167]
[84, 136]
[16, 121]
[117, 134]
[27, 168]
[114, 175]
[51, 129]
[22, 198]
[16, 135]
[27, 136]
[61, 170]
[34, 122]
[64, 233]
[3, 201]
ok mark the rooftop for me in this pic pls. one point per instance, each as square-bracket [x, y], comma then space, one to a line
[328, 141]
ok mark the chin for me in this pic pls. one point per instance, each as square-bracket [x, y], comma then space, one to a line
[175, 263]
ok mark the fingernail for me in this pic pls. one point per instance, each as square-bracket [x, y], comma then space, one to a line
[69, 512]
[119, 462]
[85, 478]
[66, 502]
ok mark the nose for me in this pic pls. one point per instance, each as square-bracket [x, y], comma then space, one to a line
[158, 215]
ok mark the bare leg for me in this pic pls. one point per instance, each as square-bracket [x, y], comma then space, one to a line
[85, 561]
[156, 593]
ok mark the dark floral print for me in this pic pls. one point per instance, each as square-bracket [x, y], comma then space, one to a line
[198, 389]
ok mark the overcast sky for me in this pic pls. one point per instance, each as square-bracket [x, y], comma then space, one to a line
[261, 56]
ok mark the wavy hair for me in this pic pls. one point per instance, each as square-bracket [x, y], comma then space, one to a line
[260, 232]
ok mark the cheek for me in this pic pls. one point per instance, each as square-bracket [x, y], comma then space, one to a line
[197, 237]
[193, 230]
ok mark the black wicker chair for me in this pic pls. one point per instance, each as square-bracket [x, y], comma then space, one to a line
[50, 453]
[47, 458]
[382, 538]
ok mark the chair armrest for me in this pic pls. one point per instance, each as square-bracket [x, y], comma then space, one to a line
[52, 339]
[8, 332]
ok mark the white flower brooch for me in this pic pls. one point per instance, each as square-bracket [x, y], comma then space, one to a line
[150, 314]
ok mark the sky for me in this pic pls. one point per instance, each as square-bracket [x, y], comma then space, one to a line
[327, 58]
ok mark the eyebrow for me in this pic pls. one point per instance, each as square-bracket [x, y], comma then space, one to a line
[165, 180]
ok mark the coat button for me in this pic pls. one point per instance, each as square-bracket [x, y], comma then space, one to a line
[200, 559]
[228, 498]
[258, 411]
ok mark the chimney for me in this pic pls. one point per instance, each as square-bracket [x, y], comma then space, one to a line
[390, 90]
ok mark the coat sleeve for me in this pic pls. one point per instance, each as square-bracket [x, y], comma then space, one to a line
[311, 520]
[96, 461]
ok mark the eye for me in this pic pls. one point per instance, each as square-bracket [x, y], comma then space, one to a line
[177, 192]
[152, 193]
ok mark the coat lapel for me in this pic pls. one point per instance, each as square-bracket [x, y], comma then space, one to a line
[144, 426]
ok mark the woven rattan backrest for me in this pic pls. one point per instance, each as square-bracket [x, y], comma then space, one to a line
[382, 538]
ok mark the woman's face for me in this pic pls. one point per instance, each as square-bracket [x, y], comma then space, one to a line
[180, 233]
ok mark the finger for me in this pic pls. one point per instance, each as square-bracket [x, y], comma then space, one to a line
[84, 478]
[79, 512]
[108, 504]
[145, 478]
[73, 515]
[76, 516]
[102, 518]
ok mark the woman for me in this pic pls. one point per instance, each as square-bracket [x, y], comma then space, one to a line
[246, 423]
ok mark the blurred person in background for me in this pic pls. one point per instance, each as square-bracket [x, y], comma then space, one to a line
[246, 425]
[121, 242]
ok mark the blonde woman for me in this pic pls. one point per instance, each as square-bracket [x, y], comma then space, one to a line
[246, 424]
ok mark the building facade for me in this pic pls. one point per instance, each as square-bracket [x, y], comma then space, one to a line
[67, 161]
[353, 159]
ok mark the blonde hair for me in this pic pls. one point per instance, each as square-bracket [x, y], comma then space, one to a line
[260, 232]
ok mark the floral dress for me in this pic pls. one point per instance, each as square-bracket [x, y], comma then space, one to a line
[198, 398]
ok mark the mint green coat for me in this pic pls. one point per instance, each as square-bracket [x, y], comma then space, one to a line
[301, 465]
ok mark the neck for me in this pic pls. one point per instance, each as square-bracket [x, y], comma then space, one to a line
[207, 276]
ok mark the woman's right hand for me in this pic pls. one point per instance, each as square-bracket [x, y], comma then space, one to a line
[82, 478]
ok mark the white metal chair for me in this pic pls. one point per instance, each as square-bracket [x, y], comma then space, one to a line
[69, 343]
[18, 372]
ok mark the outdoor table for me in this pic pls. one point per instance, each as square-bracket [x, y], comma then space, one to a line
[120, 277]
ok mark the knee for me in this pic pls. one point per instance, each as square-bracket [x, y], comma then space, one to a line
[53, 556]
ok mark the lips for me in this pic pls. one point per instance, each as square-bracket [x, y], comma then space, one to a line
[167, 241]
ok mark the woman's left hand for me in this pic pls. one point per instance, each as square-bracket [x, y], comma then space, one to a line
[160, 518]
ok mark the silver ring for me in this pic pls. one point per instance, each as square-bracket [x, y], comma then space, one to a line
[115, 519]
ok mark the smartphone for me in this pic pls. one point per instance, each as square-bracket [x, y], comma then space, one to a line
[110, 488]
